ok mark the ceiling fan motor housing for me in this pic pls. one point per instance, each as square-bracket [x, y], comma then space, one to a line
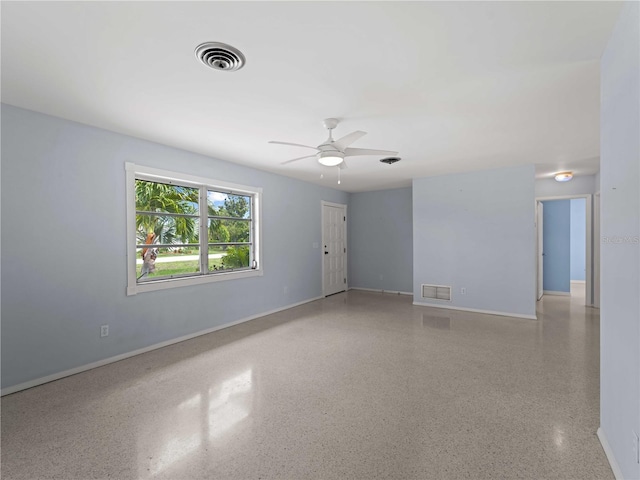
[330, 123]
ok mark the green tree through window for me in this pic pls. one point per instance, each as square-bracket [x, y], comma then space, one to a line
[167, 230]
[187, 230]
[229, 223]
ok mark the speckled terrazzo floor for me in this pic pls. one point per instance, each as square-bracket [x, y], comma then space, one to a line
[358, 385]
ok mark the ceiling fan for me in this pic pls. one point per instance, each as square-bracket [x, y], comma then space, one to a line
[333, 152]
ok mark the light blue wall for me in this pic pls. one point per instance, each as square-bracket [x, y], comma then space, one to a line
[556, 246]
[620, 226]
[578, 238]
[380, 239]
[476, 230]
[64, 269]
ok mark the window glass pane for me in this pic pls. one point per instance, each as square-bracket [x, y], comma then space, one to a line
[228, 205]
[223, 231]
[162, 197]
[166, 262]
[169, 212]
[166, 229]
[228, 257]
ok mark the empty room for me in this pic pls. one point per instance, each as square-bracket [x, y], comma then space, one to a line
[320, 240]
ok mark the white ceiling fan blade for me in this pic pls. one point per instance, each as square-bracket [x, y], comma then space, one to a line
[351, 152]
[347, 140]
[296, 159]
[292, 144]
[343, 165]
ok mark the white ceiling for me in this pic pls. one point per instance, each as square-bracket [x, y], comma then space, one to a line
[453, 86]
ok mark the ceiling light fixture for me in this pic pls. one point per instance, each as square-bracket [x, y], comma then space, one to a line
[563, 176]
[330, 159]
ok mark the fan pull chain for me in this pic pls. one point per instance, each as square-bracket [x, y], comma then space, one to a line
[339, 174]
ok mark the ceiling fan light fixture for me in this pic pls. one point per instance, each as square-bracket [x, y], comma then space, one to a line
[330, 159]
[563, 176]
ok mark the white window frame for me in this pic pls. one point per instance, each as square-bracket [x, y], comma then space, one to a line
[133, 171]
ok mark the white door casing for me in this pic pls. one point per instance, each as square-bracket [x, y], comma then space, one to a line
[334, 248]
[589, 257]
[596, 250]
[539, 223]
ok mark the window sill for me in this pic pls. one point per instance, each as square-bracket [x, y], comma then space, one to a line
[152, 286]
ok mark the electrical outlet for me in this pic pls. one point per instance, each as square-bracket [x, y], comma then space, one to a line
[381, 276]
[104, 330]
[286, 290]
[463, 291]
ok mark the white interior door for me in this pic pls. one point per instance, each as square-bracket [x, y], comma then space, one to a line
[334, 236]
[539, 223]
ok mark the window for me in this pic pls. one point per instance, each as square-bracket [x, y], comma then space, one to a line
[186, 230]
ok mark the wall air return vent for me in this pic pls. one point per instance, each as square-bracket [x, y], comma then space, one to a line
[437, 292]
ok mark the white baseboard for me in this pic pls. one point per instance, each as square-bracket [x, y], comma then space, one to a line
[476, 310]
[583, 282]
[122, 356]
[559, 294]
[609, 453]
[394, 292]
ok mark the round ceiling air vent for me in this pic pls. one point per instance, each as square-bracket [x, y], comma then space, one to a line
[220, 56]
[390, 160]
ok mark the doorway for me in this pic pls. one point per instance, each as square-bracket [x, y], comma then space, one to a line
[334, 251]
[564, 247]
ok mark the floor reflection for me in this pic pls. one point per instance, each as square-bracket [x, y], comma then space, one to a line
[194, 423]
[174, 437]
[440, 322]
[558, 438]
[229, 403]
[175, 449]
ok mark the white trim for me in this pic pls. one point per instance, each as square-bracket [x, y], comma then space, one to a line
[123, 356]
[132, 172]
[130, 195]
[171, 175]
[187, 281]
[589, 250]
[596, 249]
[609, 453]
[378, 290]
[563, 197]
[579, 281]
[539, 250]
[332, 204]
[346, 243]
[557, 294]
[476, 310]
